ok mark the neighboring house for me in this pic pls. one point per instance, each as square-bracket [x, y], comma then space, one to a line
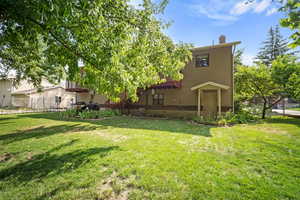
[62, 95]
[5, 92]
[206, 89]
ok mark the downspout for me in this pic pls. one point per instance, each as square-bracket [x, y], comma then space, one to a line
[232, 75]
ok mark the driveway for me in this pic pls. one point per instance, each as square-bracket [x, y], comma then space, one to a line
[291, 113]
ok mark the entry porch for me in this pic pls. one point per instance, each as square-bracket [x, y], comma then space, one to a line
[209, 97]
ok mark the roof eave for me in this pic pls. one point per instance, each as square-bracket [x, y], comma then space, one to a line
[217, 46]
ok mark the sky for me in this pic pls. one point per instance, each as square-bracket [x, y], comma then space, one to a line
[201, 22]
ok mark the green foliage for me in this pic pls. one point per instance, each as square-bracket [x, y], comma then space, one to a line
[98, 114]
[286, 72]
[86, 114]
[256, 82]
[242, 117]
[292, 20]
[123, 47]
[70, 113]
[238, 57]
[207, 120]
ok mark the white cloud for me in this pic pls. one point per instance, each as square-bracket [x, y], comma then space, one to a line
[228, 11]
[271, 11]
[248, 59]
[136, 3]
[262, 6]
[241, 8]
[213, 14]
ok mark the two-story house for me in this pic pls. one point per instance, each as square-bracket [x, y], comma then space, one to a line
[206, 89]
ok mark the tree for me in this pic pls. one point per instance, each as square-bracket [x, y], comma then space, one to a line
[256, 83]
[285, 72]
[292, 21]
[238, 57]
[274, 46]
[123, 47]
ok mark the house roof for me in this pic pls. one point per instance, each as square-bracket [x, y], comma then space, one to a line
[217, 46]
[210, 83]
[30, 91]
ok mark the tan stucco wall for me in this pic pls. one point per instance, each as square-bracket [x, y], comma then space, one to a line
[46, 99]
[20, 100]
[25, 85]
[86, 97]
[5, 93]
[219, 71]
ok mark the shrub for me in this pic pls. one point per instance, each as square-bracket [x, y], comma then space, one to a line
[71, 113]
[205, 120]
[242, 117]
[86, 114]
[98, 114]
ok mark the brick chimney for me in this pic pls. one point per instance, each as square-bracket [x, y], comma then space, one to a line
[222, 39]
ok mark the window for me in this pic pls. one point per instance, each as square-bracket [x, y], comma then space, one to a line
[57, 99]
[158, 99]
[202, 60]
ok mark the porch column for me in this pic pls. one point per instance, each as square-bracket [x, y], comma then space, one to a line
[199, 102]
[219, 101]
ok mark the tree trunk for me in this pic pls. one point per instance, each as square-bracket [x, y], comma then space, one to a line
[92, 97]
[264, 110]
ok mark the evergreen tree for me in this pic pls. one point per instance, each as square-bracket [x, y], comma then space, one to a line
[275, 45]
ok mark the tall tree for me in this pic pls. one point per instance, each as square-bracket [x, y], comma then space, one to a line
[292, 20]
[238, 57]
[123, 47]
[274, 46]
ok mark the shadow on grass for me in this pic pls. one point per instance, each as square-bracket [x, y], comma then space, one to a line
[174, 126]
[42, 131]
[284, 120]
[50, 164]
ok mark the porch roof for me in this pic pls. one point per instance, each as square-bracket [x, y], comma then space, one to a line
[210, 83]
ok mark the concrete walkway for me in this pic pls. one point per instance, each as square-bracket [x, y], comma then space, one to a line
[291, 113]
[7, 112]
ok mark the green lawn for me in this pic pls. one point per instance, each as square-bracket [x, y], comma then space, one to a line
[296, 109]
[127, 158]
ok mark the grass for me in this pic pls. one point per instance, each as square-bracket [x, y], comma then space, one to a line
[129, 158]
[296, 109]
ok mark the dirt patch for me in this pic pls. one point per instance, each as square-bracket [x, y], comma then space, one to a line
[5, 157]
[116, 188]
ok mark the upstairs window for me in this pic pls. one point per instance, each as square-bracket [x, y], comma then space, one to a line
[158, 99]
[202, 60]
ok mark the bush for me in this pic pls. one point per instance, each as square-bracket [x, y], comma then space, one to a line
[242, 117]
[86, 114]
[205, 120]
[71, 113]
[98, 114]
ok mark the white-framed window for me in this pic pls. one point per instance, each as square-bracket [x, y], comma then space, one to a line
[158, 99]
